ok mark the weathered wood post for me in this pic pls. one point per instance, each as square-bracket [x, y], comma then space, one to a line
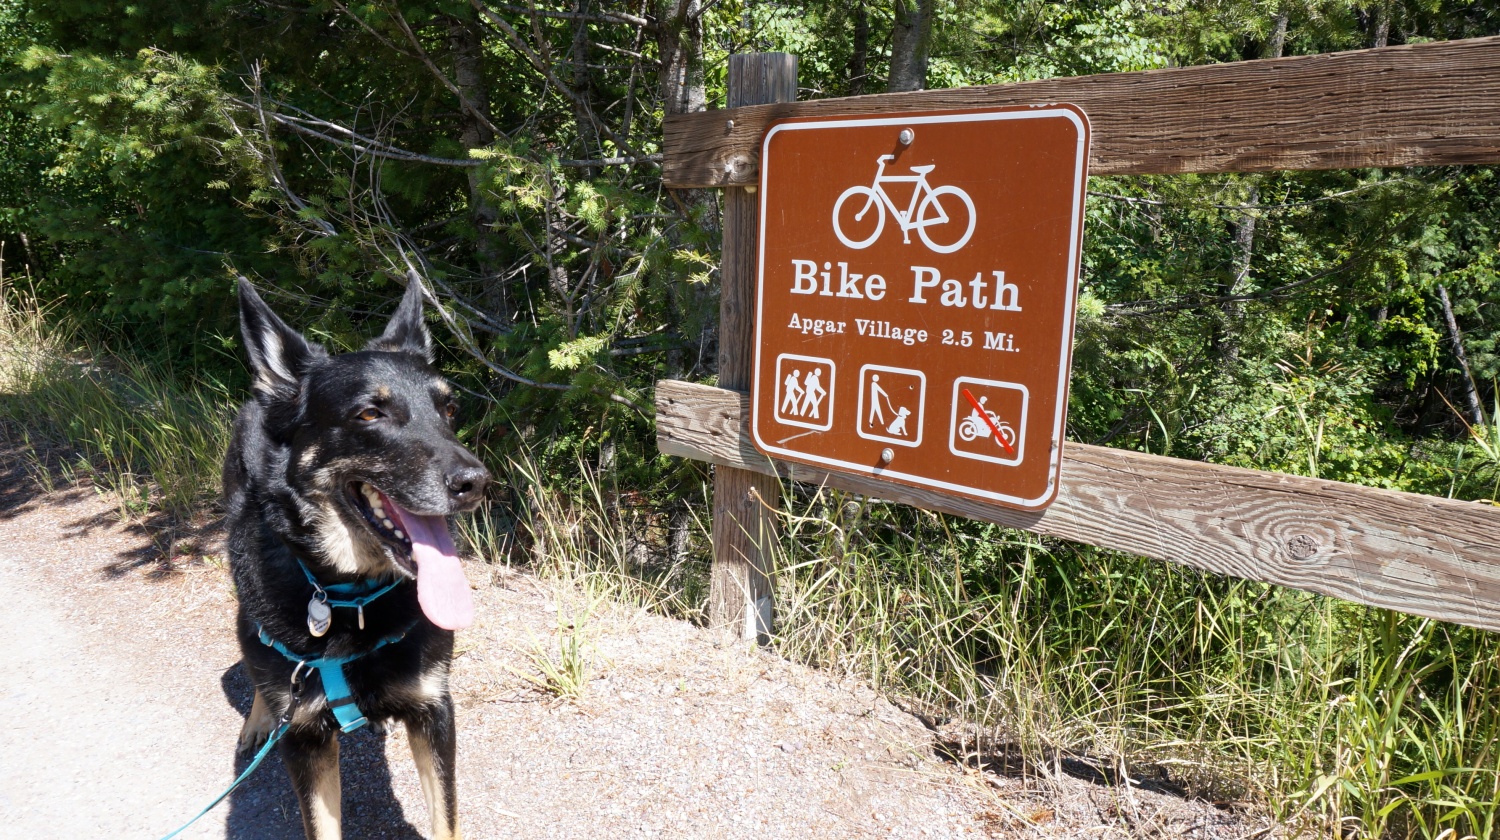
[744, 529]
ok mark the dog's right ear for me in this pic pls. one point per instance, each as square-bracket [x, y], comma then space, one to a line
[279, 355]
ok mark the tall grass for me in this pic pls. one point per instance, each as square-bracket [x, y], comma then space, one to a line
[1333, 715]
[134, 428]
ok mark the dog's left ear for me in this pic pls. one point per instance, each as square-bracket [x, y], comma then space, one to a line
[407, 332]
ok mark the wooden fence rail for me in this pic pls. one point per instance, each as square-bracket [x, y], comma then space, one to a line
[1427, 104]
[1418, 554]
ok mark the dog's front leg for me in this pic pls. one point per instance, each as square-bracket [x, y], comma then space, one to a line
[311, 756]
[432, 745]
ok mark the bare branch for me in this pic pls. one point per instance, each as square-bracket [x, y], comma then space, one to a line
[520, 46]
[370, 29]
[267, 157]
[460, 331]
[612, 161]
[350, 139]
[601, 17]
[441, 76]
[1154, 307]
[1127, 199]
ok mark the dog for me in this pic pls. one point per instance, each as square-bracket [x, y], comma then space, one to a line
[339, 478]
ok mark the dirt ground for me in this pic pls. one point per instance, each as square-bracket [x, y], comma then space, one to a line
[122, 697]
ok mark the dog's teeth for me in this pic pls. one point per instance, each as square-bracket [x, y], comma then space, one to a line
[388, 523]
[399, 535]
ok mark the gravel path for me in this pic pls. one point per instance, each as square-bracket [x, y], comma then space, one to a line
[123, 696]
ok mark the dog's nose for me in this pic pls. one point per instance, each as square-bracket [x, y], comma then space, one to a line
[466, 483]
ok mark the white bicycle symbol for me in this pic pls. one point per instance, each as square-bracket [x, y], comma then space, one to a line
[973, 427]
[925, 210]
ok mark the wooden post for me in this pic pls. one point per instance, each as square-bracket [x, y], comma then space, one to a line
[744, 525]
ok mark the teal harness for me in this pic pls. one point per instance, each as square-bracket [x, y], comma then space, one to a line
[330, 670]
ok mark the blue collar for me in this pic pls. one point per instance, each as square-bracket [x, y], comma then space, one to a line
[364, 591]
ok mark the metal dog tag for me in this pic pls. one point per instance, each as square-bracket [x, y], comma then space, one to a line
[319, 616]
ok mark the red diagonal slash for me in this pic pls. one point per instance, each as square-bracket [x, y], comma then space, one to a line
[984, 415]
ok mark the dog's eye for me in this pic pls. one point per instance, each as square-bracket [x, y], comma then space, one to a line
[369, 415]
[452, 410]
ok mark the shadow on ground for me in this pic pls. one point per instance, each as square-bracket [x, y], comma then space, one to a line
[1006, 760]
[264, 807]
[31, 471]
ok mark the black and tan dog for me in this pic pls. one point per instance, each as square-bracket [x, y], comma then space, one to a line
[338, 481]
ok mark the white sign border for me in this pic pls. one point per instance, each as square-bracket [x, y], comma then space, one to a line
[1079, 185]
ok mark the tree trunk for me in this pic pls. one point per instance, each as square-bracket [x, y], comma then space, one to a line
[859, 61]
[1244, 240]
[583, 85]
[1382, 34]
[468, 75]
[1244, 227]
[911, 41]
[1276, 44]
[679, 33]
[1471, 394]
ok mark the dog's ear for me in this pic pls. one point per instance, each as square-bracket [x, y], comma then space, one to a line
[279, 355]
[407, 332]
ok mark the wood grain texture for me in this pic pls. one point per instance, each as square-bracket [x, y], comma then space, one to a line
[1418, 554]
[1426, 104]
[739, 588]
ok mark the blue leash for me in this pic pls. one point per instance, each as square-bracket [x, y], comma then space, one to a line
[254, 763]
[330, 670]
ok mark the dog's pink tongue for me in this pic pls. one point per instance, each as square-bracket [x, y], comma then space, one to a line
[442, 589]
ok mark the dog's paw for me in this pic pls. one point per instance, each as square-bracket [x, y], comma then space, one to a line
[377, 727]
[251, 740]
[258, 727]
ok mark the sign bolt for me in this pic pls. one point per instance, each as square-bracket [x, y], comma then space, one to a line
[887, 455]
[906, 136]
[729, 125]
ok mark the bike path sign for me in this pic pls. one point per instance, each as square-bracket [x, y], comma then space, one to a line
[916, 296]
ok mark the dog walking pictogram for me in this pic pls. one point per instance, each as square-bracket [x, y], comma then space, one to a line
[947, 211]
[891, 400]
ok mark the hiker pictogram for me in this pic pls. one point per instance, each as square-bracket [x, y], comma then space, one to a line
[891, 402]
[947, 211]
[804, 391]
[988, 421]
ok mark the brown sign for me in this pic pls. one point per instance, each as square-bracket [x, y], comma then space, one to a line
[917, 285]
